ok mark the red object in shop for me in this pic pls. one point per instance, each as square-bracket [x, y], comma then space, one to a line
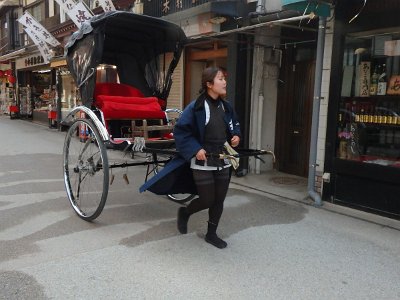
[14, 109]
[11, 79]
[8, 72]
[52, 115]
[1, 73]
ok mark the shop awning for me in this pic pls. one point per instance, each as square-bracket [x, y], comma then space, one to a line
[12, 55]
[58, 62]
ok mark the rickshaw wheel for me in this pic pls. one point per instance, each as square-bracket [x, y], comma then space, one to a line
[86, 169]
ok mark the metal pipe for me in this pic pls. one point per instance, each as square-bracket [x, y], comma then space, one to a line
[259, 126]
[315, 114]
[254, 26]
[285, 14]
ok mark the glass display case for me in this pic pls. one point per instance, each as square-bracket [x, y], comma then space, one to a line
[69, 93]
[368, 128]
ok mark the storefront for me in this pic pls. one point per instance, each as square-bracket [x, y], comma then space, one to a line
[39, 87]
[66, 91]
[7, 92]
[36, 87]
[363, 137]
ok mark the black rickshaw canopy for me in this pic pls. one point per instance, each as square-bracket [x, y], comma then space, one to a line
[131, 42]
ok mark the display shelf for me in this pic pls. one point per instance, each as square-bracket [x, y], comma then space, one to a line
[25, 99]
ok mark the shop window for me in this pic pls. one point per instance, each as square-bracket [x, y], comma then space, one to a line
[369, 110]
[38, 11]
[43, 92]
[70, 94]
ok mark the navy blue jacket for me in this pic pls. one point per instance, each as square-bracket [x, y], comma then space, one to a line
[176, 177]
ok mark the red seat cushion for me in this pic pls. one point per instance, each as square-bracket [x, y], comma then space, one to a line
[114, 110]
[121, 101]
[124, 100]
[116, 89]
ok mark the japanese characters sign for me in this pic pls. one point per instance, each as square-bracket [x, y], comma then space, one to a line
[365, 74]
[43, 48]
[76, 11]
[394, 85]
[66, 5]
[30, 22]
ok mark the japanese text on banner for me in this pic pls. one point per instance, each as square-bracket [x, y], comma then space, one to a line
[30, 22]
[78, 12]
[107, 5]
[43, 48]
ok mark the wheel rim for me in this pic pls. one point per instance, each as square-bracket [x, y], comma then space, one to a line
[85, 170]
[182, 198]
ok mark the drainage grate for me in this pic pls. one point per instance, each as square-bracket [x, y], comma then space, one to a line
[284, 180]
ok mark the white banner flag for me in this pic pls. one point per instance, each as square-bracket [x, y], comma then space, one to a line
[76, 11]
[30, 22]
[79, 14]
[107, 5]
[66, 5]
[43, 48]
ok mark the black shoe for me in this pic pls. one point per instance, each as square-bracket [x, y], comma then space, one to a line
[183, 218]
[214, 240]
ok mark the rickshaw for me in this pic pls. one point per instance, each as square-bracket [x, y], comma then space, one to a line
[128, 114]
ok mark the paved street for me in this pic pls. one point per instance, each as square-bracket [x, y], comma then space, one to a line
[277, 249]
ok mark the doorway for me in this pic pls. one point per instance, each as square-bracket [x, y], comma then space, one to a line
[294, 110]
[197, 58]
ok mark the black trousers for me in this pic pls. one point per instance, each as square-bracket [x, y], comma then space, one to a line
[212, 187]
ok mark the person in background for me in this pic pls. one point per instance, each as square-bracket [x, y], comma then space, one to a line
[203, 128]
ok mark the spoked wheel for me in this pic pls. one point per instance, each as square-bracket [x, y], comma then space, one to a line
[85, 169]
[180, 198]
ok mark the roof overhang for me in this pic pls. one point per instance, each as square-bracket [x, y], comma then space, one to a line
[13, 55]
[9, 3]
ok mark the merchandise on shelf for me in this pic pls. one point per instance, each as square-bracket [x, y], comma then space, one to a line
[369, 110]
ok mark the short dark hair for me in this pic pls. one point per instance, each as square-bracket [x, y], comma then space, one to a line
[208, 75]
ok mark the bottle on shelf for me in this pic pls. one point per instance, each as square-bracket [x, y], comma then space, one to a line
[375, 116]
[382, 82]
[362, 113]
[370, 114]
[385, 113]
[374, 81]
[354, 113]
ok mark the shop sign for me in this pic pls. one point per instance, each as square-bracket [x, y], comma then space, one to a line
[199, 25]
[365, 75]
[34, 61]
[394, 85]
[392, 48]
